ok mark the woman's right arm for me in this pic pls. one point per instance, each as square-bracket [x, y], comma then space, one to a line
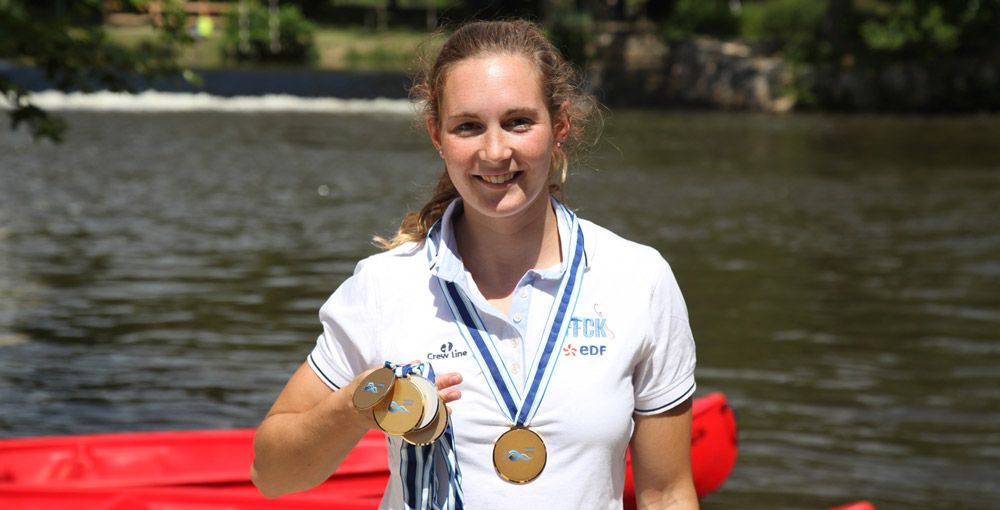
[308, 432]
[310, 429]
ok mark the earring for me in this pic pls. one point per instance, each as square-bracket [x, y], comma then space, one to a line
[559, 144]
[441, 152]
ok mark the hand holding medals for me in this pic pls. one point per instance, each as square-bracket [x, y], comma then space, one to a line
[404, 402]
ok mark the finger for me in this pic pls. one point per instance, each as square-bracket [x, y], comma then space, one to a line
[451, 395]
[448, 380]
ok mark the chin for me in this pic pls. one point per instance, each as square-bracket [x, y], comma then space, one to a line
[509, 206]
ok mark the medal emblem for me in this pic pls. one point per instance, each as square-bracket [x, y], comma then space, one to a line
[519, 455]
[373, 389]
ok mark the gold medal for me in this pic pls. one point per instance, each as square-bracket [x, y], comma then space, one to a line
[519, 455]
[402, 411]
[374, 388]
[432, 432]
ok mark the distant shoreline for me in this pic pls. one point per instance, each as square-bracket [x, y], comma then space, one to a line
[229, 83]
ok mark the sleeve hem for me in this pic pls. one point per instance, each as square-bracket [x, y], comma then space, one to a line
[675, 399]
[322, 375]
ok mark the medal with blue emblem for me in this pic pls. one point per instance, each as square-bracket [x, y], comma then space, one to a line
[402, 411]
[519, 455]
[374, 388]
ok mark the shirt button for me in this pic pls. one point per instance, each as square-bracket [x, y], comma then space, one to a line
[513, 343]
[517, 317]
[524, 293]
[515, 368]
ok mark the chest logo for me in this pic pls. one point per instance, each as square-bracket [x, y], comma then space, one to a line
[595, 327]
[585, 350]
[447, 351]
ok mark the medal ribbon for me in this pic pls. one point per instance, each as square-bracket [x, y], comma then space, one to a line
[432, 479]
[520, 410]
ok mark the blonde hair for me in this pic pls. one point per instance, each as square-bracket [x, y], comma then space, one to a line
[560, 86]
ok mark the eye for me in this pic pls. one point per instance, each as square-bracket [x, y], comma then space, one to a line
[467, 128]
[520, 124]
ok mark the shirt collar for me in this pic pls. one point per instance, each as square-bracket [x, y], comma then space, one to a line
[445, 262]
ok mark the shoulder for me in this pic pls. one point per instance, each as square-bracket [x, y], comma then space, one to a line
[401, 260]
[605, 247]
[384, 269]
[627, 264]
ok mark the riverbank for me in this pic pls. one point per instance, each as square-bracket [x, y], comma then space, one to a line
[339, 49]
[629, 65]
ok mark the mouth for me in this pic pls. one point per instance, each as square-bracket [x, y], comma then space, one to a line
[500, 178]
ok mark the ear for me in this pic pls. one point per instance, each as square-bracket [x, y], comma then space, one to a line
[434, 131]
[561, 125]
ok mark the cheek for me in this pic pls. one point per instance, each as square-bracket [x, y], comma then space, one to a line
[459, 149]
[538, 149]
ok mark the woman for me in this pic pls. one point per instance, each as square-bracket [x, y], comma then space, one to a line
[541, 325]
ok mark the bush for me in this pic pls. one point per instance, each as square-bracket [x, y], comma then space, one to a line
[296, 36]
[571, 33]
[793, 25]
[708, 17]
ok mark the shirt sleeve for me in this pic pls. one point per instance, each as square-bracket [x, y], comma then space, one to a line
[348, 344]
[664, 376]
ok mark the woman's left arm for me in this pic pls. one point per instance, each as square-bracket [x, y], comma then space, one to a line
[661, 460]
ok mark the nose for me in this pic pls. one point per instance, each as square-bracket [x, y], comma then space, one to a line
[495, 146]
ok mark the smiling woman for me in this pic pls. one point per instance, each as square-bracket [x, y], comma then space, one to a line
[495, 268]
[552, 79]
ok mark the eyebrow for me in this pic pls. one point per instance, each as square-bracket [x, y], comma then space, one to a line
[513, 111]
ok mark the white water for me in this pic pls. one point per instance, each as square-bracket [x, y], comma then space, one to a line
[151, 101]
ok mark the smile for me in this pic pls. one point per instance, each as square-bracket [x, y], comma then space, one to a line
[499, 179]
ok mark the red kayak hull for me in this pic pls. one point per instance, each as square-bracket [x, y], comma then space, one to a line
[210, 469]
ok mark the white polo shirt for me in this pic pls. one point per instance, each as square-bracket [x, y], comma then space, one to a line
[628, 350]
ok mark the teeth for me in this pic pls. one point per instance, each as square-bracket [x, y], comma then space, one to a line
[498, 179]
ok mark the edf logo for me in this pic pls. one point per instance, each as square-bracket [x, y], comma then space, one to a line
[585, 350]
[588, 328]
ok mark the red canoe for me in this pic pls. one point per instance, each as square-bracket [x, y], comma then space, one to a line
[210, 469]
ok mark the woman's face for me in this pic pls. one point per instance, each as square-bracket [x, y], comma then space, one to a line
[495, 134]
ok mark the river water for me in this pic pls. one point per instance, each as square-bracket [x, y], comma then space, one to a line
[164, 270]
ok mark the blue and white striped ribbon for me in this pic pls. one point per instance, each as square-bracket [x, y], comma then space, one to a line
[432, 479]
[518, 408]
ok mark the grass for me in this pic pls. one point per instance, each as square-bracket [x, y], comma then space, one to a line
[356, 48]
[339, 48]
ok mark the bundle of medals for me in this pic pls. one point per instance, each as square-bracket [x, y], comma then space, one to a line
[404, 402]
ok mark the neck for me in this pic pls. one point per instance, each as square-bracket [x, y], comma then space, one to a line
[498, 251]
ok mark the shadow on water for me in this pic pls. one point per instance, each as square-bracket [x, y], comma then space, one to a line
[165, 271]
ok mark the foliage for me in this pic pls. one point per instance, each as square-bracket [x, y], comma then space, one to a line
[708, 17]
[792, 25]
[572, 34]
[927, 28]
[76, 54]
[295, 41]
[815, 31]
